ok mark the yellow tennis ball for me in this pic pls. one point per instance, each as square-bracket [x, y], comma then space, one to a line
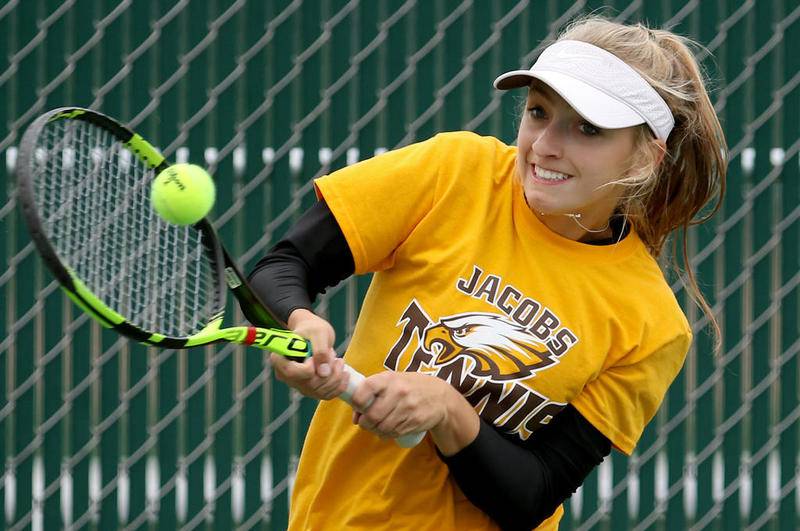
[183, 194]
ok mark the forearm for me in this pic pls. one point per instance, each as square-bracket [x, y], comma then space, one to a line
[281, 281]
[520, 486]
[311, 257]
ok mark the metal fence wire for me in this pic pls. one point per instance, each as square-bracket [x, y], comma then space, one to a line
[99, 432]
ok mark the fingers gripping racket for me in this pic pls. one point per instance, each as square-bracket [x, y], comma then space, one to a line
[84, 185]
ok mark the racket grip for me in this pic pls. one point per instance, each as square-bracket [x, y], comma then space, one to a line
[409, 440]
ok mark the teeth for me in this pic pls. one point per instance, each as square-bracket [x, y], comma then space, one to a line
[550, 175]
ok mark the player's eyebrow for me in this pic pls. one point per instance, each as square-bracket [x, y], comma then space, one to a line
[537, 88]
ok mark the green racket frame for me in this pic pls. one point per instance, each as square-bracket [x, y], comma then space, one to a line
[269, 336]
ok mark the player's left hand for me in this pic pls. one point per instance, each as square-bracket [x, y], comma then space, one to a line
[400, 403]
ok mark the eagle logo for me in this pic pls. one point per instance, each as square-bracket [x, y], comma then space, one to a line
[501, 349]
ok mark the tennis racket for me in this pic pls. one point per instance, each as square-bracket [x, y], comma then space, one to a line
[84, 186]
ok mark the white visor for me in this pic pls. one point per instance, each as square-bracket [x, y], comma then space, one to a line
[600, 86]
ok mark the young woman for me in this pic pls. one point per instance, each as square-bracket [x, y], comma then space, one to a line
[517, 313]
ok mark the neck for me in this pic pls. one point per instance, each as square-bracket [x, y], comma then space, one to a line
[576, 228]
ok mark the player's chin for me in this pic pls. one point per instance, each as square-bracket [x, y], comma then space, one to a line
[546, 200]
[538, 202]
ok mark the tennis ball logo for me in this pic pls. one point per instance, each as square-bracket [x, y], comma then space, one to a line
[183, 194]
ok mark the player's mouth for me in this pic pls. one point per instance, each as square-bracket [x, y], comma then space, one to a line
[548, 177]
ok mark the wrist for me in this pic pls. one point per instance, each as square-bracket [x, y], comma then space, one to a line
[298, 315]
[459, 425]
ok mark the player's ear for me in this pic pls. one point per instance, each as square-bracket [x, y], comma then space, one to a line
[659, 148]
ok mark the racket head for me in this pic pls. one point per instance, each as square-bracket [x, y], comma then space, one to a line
[84, 187]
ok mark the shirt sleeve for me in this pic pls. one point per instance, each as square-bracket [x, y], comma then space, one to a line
[378, 202]
[625, 397]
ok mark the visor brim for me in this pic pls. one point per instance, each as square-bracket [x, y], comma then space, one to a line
[597, 107]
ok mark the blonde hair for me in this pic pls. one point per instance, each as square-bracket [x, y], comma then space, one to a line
[669, 195]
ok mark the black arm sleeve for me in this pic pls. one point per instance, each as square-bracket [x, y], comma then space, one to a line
[313, 256]
[519, 485]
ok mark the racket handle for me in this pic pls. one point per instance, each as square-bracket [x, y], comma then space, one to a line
[409, 440]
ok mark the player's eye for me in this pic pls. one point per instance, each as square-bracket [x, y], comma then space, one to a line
[588, 129]
[536, 112]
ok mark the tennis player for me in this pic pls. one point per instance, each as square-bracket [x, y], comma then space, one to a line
[517, 313]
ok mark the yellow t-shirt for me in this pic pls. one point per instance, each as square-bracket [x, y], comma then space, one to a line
[470, 287]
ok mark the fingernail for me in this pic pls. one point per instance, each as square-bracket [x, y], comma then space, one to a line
[324, 370]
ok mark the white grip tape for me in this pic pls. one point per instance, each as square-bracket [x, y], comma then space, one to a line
[409, 440]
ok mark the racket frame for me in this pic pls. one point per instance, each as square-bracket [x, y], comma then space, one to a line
[270, 337]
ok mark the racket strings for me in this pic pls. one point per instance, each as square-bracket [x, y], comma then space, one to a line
[93, 198]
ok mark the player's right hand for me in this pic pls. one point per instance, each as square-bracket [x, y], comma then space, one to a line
[321, 376]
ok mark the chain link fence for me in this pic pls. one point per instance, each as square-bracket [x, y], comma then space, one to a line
[98, 432]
